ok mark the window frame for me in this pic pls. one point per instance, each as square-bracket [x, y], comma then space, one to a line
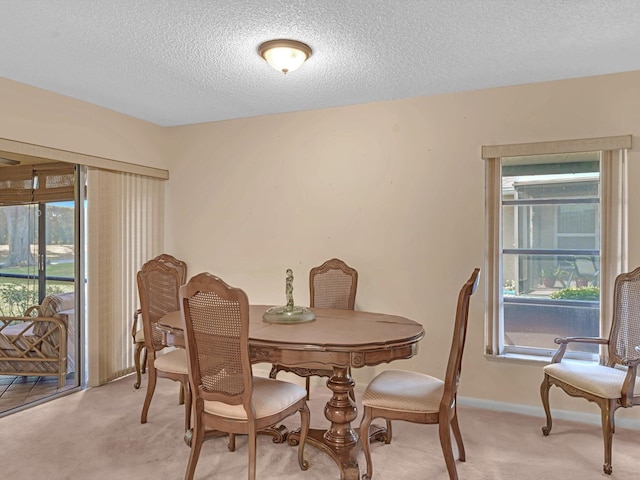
[613, 229]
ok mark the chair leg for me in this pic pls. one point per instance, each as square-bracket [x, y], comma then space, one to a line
[196, 446]
[455, 427]
[304, 429]
[444, 429]
[187, 404]
[136, 358]
[365, 423]
[389, 434]
[274, 371]
[181, 394]
[151, 386]
[307, 384]
[252, 440]
[608, 427]
[544, 395]
[144, 359]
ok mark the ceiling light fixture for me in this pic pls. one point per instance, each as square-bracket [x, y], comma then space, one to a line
[285, 55]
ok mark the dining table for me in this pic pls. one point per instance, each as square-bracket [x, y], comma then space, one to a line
[338, 340]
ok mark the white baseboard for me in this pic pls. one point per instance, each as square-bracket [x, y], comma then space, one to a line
[590, 418]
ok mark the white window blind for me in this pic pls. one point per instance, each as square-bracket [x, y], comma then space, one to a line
[125, 227]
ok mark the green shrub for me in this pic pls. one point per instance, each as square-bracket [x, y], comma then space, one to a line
[582, 293]
[16, 298]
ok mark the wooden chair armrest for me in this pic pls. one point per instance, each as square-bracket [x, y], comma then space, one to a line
[564, 341]
[134, 327]
[34, 308]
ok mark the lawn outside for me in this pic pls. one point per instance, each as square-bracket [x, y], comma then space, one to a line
[18, 294]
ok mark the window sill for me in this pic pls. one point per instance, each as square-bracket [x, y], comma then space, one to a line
[532, 359]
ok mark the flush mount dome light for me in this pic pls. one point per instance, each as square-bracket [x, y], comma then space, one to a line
[285, 55]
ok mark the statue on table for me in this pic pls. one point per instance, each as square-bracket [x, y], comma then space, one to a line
[289, 313]
[289, 289]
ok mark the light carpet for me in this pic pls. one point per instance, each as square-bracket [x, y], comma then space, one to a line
[96, 434]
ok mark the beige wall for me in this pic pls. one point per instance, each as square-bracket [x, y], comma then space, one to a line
[35, 116]
[396, 189]
[393, 188]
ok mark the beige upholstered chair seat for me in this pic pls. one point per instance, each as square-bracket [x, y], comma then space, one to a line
[404, 391]
[599, 380]
[139, 336]
[269, 397]
[174, 361]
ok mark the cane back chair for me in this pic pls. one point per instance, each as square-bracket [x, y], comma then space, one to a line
[610, 385]
[137, 331]
[332, 285]
[159, 288]
[419, 398]
[226, 396]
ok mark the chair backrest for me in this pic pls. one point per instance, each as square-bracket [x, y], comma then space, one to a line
[452, 375]
[585, 267]
[625, 327]
[159, 282]
[333, 285]
[216, 328]
[173, 262]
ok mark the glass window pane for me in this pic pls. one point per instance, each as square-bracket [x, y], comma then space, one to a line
[551, 240]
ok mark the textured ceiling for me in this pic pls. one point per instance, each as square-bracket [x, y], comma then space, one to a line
[175, 62]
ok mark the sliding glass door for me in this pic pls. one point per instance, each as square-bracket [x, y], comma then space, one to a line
[39, 219]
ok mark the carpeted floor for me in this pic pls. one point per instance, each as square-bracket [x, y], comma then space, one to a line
[96, 434]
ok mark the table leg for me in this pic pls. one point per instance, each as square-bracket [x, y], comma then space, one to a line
[340, 441]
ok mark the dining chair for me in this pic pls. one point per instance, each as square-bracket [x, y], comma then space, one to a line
[610, 385]
[418, 398]
[137, 332]
[331, 285]
[226, 395]
[159, 282]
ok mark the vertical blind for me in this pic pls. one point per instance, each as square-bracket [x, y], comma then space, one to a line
[125, 228]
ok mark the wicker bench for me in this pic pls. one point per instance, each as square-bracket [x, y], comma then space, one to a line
[42, 342]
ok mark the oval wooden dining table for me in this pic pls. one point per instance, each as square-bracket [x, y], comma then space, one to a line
[338, 339]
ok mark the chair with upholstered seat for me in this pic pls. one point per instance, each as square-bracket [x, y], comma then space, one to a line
[609, 385]
[158, 288]
[419, 398]
[137, 332]
[332, 285]
[226, 396]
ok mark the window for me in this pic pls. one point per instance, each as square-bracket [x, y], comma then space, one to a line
[550, 218]
[556, 239]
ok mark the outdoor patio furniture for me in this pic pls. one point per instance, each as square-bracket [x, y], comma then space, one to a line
[42, 342]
